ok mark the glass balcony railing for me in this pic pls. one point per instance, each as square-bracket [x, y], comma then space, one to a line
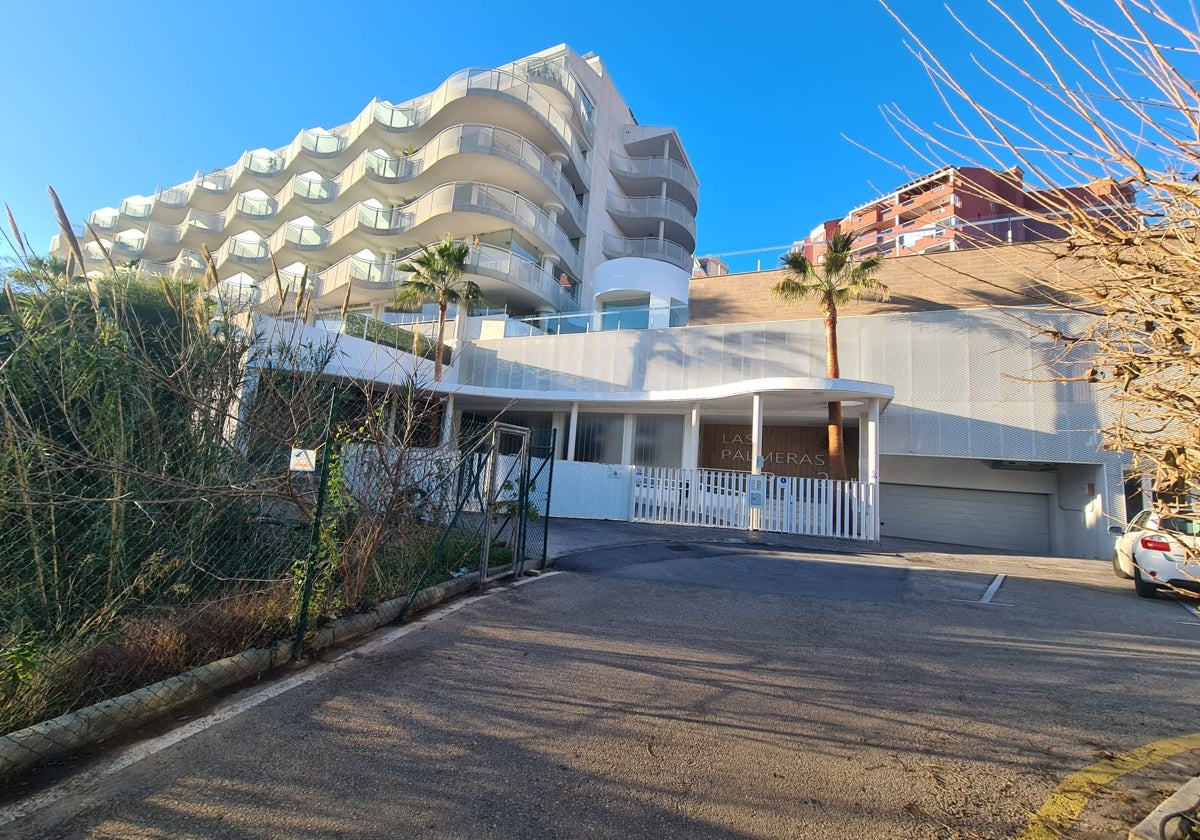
[255, 207]
[652, 207]
[174, 197]
[553, 71]
[136, 208]
[103, 220]
[315, 191]
[623, 318]
[204, 222]
[648, 247]
[246, 250]
[322, 144]
[483, 260]
[307, 237]
[263, 165]
[163, 234]
[661, 168]
[214, 182]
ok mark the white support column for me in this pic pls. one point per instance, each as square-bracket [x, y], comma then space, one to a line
[558, 421]
[872, 448]
[756, 457]
[691, 442]
[756, 436]
[572, 431]
[448, 420]
[864, 461]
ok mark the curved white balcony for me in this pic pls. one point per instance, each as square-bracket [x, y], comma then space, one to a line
[458, 197]
[105, 219]
[254, 204]
[238, 292]
[310, 187]
[260, 163]
[128, 244]
[157, 234]
[98, 251]
[649, 247]
[246, 247]
[502, 264]
[319, 143]
[658, 169]
[471, 138]
[382, 167]
[502, 84]
[649, 210]
[136, 207]
[366, 272]
[553, 71]
[518, 84]
[173, 197]
[303, 234]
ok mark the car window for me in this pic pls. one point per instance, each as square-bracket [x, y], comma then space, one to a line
[1181, 525]
[1139, 521]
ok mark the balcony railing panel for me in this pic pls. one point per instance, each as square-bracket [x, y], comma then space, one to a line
[649, 247]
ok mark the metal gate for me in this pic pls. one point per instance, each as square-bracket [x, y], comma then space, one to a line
[722, 499]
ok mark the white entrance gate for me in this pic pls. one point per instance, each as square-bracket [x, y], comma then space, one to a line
[721, 499]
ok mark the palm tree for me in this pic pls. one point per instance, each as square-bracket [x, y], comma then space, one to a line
[437, 277]
[835, 282]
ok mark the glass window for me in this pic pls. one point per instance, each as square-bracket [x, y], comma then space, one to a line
[598, 438]
[658, 440]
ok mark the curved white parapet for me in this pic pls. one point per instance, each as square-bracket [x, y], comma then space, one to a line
[663, 281]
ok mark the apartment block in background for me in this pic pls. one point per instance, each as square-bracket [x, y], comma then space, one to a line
[964, 207]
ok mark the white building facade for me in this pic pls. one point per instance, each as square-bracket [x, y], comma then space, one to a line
[568, 203]
[582, 229]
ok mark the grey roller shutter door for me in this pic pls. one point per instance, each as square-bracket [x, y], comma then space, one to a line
[980, 518]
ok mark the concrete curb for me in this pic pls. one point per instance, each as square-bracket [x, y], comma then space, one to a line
[1186, 797]
[90, 725]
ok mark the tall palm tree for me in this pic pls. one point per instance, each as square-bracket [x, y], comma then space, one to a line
[437, 276]
[834, 282]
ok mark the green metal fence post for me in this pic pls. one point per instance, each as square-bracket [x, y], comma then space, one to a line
[314, 540]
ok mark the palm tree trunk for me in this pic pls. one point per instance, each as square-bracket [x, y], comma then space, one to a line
[837, 454]
[441, 339]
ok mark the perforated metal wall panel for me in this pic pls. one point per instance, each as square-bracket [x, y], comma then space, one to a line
[973, 383]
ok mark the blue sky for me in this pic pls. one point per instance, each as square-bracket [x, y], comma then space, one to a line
[105, 101]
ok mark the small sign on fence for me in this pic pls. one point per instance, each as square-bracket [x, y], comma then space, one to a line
[304, 460]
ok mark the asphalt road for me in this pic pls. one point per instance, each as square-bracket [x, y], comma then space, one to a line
[690, 690]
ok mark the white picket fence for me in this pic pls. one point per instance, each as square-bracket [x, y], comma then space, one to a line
[721, 499]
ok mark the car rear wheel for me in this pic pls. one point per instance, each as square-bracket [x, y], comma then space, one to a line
[1141, 586]
[1121, 573]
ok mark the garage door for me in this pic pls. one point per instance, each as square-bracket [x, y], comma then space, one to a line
[983, 518]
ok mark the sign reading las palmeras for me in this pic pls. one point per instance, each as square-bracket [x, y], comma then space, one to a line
[800, 451]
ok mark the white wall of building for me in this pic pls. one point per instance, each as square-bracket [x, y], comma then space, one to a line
[969, 385]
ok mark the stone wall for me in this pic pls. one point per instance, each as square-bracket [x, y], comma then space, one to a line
[920, 283]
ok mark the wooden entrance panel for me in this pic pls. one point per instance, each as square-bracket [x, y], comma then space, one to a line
[800, 451]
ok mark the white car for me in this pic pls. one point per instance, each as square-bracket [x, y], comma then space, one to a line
[1158, 550]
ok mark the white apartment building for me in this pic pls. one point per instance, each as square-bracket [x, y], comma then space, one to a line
[569, 204]
[670, 395]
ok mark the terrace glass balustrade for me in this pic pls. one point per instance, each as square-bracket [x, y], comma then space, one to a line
[484, 260]
[657, 168]
[624, 318]
[505, 84]
[322, 144]
[649, 247]
[652, 207]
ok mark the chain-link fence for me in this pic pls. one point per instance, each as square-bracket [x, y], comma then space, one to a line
[158, 535]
